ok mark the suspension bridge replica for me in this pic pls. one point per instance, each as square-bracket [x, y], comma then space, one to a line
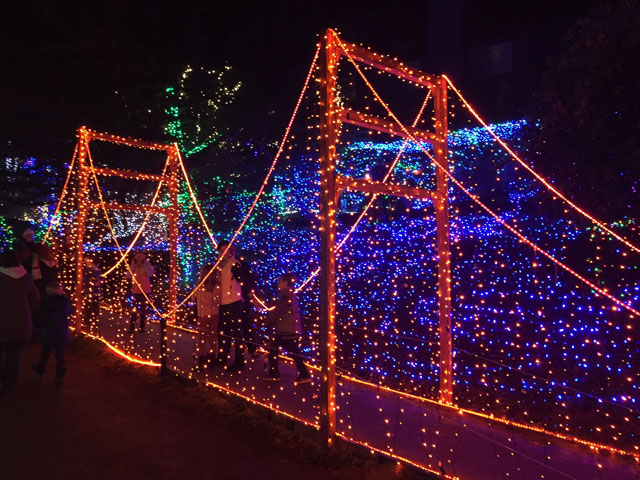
[444, 325]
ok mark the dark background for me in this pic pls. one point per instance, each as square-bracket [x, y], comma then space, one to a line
[105, 64]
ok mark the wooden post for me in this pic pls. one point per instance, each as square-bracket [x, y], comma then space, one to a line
[444, 259]
[173, 258]
[328, 198]
[81, 218]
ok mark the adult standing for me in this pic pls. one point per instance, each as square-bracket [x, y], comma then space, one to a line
[141, 288]
[19, 298]
[243, 273]
[230, 325]
[44, 268]
[208, 317]
[25, 249]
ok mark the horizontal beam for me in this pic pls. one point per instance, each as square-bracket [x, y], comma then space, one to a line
[387, 64]
[128, 141]
[114, 172]
[131, 208]
[379, 188]
[372, 122]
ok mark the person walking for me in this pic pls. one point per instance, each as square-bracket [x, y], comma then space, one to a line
[19, 298]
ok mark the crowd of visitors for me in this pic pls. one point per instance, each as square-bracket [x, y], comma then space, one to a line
[34, 308]
[37, 309]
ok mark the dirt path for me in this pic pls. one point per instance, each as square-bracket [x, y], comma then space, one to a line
[115, 420]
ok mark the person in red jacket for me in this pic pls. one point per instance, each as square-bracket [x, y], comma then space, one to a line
[19, 298]
[140, 285]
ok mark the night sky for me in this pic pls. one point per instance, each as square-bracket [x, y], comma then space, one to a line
[94, 63]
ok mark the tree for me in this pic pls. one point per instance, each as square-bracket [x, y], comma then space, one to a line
[196, 108]
[588, 101]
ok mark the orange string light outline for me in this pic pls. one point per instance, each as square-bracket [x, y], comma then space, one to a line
[375, 195]
[64, 190]
[113, 234]
[262, 187]
[481, 204]
[547, 184]
[461, 410]
[505, 421]
[117, 351]
[193, 197]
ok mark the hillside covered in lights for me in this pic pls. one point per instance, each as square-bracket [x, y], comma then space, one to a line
[531, 343]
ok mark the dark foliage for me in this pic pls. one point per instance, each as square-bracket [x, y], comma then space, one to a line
[589, 103]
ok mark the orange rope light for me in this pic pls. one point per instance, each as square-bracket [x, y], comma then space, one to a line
[262, 187]
[193, 197]
[64, 190]
[119, 352]
[504, 421]
[547, 184]
[484, 207]
[144, 221]
[373, 198]
[113, 234]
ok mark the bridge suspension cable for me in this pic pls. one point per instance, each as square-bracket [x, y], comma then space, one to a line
[144, 222]
[539, 177]
[262, 187]
[475, 198]
[64, 191]
[373, 198]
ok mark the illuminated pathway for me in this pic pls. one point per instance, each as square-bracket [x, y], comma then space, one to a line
[421, 433]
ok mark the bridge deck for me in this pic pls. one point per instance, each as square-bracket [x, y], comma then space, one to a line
[423, 433]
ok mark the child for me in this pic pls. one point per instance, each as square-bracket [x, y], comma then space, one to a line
[208, 313]
[285, 318]
[142, 270]
[54, 318]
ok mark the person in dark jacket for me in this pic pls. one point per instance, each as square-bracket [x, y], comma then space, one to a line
[25, 248]
[19, 298]
[285, 319]
[54, 318]
[44, 267]
[230, 324]
[242, 272]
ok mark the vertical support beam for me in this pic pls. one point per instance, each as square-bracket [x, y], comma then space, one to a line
[328, 198]
[173, 258]
[444, 258]
[82, 196]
